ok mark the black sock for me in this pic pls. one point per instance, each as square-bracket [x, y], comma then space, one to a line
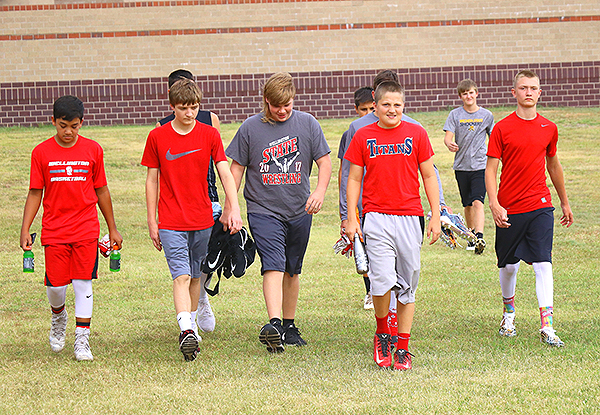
[367, 284]
[479, 235]
[288, 322]
[275, 321]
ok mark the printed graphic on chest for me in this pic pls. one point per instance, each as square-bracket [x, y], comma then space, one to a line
[68, 171]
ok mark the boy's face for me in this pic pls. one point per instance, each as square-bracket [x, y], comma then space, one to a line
[469, 98]
[389, 109]
[280, 113]
[67, 131]
[527, 91]
[186, 113]
[364, 108]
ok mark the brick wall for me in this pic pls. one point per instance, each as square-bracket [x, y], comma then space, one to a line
[115, 55]
[324, 94]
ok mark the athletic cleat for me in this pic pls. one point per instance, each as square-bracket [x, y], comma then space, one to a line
[368, 302]
[470, 246]
[291, 336]
[402, 360]
[58, 331]
[383, 346]
[549, 337]
[188, 345]
[507, 326]
[82, 344]
[205, 318]
[195, 329]
[479, 246]
[270, 335]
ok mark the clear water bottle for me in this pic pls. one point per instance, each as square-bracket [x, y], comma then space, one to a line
[115, 261]
[28, 258]
[360, 255]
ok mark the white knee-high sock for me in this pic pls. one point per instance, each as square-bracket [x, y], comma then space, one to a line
[508, 279]
[544, 283]
[84, 298]
[56, 296]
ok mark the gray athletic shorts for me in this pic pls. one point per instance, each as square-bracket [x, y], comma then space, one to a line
[185, 250]
[393, 245]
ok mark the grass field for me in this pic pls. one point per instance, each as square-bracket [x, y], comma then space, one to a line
[461, 365]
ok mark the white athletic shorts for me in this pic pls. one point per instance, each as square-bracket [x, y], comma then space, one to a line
[393, 246]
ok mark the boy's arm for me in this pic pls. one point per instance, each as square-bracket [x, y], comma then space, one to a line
[214, 119]
[32, 205]
[105, 205]
[555, 171]
[449, 142]
[231, 217]
[152, 205]
[355, 176]
[237, 171]
[491, 186]
[315, 200]
[430, 182]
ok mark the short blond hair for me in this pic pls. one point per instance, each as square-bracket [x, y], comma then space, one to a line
[278, 90]
[524, 74]
[186, 92]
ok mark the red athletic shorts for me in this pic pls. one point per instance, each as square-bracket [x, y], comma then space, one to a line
[67, 262]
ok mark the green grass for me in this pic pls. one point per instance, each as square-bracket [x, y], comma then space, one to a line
[461, 364]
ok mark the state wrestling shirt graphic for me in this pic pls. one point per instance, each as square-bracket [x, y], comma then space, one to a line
[280, 163]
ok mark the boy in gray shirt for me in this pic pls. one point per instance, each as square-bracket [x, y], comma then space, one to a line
[466, 130]
[276, 149]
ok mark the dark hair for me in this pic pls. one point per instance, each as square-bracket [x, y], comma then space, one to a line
[186, 92]
[466, 85]
[68, 108]
[388, 86]
[179, 74]
[385, 75]
[362, 95]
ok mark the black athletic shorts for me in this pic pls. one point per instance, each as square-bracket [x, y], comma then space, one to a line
[281, 245]
[471, 185]
[528, 238]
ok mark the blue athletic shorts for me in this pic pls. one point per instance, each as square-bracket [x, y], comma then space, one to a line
[185, 250]
[281, 245]
[471, 185]
[528, 238]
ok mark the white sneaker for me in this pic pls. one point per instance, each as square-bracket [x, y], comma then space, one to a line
[58, 331]
[368, 303]
[205, 319]
[507, 327]
[82, 344]
[549, 337]
[195, 328]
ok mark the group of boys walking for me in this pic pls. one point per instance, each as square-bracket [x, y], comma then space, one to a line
[274, 152]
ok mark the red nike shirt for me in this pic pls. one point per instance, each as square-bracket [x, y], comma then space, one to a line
[183, 162]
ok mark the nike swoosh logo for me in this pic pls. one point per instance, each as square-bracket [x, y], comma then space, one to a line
[378, 360]
[211, 265]
[172, 157]
[88, 296]
[544, 125]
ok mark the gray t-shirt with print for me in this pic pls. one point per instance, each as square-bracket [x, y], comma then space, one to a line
[278, 159]
[470, 131]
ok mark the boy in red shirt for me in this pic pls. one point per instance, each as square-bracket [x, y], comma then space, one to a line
[178, 154]
[522, 209]
[393, 153]
[68, 171]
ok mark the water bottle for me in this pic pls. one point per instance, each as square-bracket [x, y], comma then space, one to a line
[28, 261]
[28, 257]
[360, 256]
[115, 261]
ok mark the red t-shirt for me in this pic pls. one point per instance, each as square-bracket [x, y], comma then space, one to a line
[183, 160]
[522, 146]
[69, 178]
[391, 158]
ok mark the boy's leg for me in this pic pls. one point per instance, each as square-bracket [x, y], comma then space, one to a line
[508, 285]
[58, 329]
[84, 303]
[203, 317]
[406, 314]
[544, 286]
[273, 293]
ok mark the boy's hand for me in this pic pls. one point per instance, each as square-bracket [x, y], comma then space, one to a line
[26, 240]
[434, 230]
[231, 220]
[351, 228]
[153, 231]
[452, 146]
[343, 226]
[116, 240]
[314, 202]
[567, 216]
[500, 216]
